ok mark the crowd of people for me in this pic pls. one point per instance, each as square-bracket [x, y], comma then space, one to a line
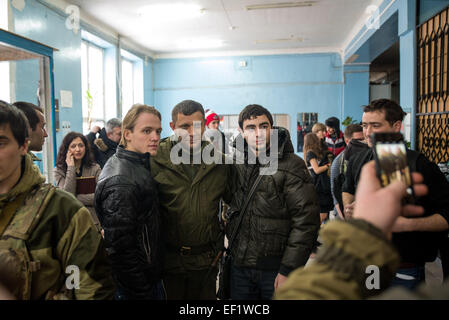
[140, 217]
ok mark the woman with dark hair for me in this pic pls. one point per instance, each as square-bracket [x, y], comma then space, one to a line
[77, 172]
[319, 161]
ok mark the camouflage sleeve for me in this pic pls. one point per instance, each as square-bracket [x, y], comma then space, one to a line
[355, 262]
[82, 248]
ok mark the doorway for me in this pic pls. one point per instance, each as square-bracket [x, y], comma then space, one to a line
[26, 76]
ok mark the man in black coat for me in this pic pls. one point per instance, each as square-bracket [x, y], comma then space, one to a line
[417, 239]
[127, 205]
[280, 226]
[106, 144]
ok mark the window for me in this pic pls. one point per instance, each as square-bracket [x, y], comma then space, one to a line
[128, 98]
[5, 93]
[282, 120]
[132, 80]
[4, 14]
[92, 73]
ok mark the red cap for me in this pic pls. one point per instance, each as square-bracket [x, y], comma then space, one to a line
[211, 116]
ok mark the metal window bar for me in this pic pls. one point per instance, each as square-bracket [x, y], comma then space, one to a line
[432, 114]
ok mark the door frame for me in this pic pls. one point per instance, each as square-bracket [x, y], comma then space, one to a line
[47, 52]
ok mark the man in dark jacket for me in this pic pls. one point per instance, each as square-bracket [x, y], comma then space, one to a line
[106, 144]
[354, 143]
[416, 239]
[280, 226]
[127, 205]
[346, 267]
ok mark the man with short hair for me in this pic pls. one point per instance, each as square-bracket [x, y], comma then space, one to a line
[354, 140]
[48, 241]
[106, 144]
[416, 239]
[189, 192]
[279, 227]
[334, 137]
[127, 204]
[37, 131]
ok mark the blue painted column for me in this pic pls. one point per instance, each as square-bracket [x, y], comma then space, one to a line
[356, 90]
[408, 63]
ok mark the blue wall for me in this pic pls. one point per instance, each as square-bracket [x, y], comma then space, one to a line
[356, 91]
[41, 24]
[26, 80]
[285, 84]
[429, 8]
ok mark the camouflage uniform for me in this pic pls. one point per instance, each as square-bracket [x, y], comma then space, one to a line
[50, 230]
[34, 157]
[340, 269]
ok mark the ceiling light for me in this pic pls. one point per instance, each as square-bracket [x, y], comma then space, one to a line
[27, 25]
[200, 43]
[170, 12]
[371, 9]
[279, 40]
[280, 5]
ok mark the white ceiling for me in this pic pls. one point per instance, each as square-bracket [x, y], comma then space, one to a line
[328, 25]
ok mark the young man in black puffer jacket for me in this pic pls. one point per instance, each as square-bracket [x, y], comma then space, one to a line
[280, 226]
[127, 206]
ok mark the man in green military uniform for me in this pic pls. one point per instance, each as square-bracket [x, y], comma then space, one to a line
[49, 245]
[189, 195]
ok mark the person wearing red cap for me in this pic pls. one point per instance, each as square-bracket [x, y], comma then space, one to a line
[212, 127]
[212, 120]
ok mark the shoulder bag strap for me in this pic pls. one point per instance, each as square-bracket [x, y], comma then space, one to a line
[245, 206]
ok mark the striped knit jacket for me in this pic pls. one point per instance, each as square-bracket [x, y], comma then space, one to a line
[335, 146]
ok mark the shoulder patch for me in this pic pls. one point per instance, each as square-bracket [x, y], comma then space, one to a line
[101, 145]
